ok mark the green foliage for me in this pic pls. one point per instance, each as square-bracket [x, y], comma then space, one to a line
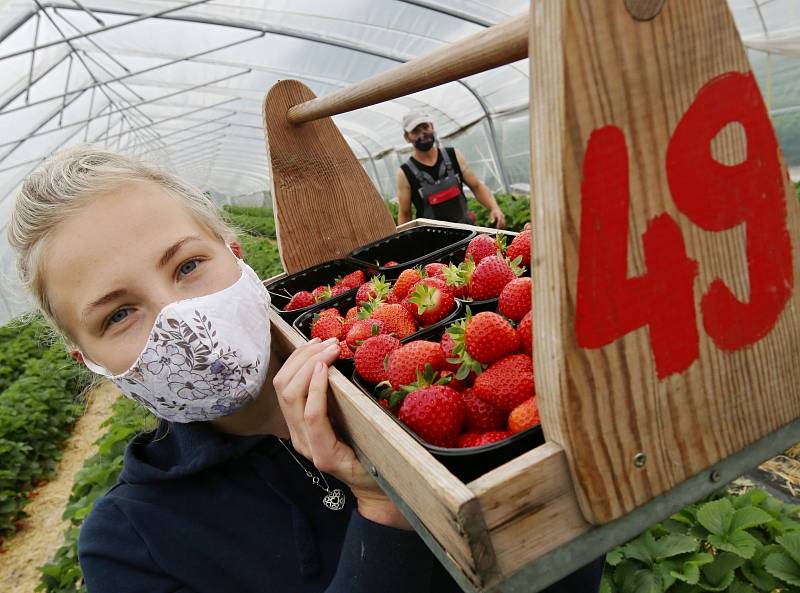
[737, 544]
[257, 222]
[19, 343]
[262, 255]
[99, 473]
[37, 412]
[515, 208]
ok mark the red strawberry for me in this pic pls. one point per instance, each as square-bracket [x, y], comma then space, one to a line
[483, 246]
[490, 337]
[333, 311]
[299, 300]
[376, 289]
[490, 277]
[515, 299]
[525, 333]
[347, 325]
[434, 269]
[326, 327]
[353, 279]
[396, 318]
[344, 351]
[370, 356]
[405, 281]
[321, 293]
[507, 383]
[447, 344]
[524, 416]
[455, 277]
[434, 300]
[435, 413]
[476, 439]
[404, 362]
[339, 289]
[352, 313]
[448, 378]
[481, 415]
[362, 330]
[521, 247]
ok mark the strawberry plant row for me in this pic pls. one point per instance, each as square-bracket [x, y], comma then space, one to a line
[37, 412]
[26, 341]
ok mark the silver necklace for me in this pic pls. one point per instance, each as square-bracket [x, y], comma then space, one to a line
[333, 499]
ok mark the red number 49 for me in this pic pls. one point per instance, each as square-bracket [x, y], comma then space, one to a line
[713, 196]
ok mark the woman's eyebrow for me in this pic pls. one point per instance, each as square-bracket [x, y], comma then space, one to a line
[173, 249]
[106, 298]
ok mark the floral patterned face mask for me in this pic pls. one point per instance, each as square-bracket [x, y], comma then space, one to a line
[205, 357]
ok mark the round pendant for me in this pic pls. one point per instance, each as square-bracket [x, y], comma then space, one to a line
[334, 500]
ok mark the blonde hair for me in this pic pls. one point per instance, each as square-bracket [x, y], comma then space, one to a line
[63, 185]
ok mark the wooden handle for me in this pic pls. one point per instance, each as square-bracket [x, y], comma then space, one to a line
[496, 46]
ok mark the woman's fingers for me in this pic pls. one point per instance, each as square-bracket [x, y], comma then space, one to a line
[293, 393]
[296, 360]
[322, 440]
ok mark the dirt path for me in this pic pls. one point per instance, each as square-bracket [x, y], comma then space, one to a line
[44, 531]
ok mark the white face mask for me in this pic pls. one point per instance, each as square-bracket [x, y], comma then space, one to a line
[206, 356]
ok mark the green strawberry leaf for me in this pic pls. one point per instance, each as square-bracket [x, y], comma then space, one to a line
[782, 566]
[716, 516]
[673, 545]
[747, 517]
[614, 557]
[741, 587]
[740, 543]
[646, 581]
[754, 570]
[690, 567]
[719, 574]
[642, 548]
[791, 544]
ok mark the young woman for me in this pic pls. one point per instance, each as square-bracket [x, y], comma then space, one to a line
[244, 486]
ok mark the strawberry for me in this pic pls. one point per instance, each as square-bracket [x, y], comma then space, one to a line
[476, 439]
[390, 263]
[352, 280]
[362, 330]
[507, 383]
[515, 299]
[352, 313]
[525, 333]
[481, 415]
[405, 281]
[376, 289]
[521, 247]
[299, 300]
[339, 289]
[448, 378]
[347, 325]
[369, 358]
[435, 413]
[490, 277]
[483, 246]
[321, 293]
[434, 269]
[489, 337]
[447, 344]
[523, 416]
[405, 362]
[455, 277]
[467, 365]
[397, 320]
[344, 351]
[434, 300]
[327, 326]
[333, 311]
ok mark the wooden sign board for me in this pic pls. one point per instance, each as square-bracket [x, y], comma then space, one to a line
[665, 242]
[325, 203]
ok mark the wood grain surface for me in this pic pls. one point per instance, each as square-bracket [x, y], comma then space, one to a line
[325, 203]
[641, 406]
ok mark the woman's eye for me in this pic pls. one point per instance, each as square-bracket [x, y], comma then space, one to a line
[118, 316]
[188, 267]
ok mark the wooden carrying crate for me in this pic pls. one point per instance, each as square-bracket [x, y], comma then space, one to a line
[664, 262]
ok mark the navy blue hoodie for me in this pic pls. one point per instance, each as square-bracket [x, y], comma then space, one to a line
[196, 510]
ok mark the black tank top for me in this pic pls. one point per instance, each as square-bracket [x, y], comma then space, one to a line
[455, 211]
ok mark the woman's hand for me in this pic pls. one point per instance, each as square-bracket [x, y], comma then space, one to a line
[302, 389]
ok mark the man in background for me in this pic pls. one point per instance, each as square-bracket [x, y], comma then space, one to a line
[433, 178]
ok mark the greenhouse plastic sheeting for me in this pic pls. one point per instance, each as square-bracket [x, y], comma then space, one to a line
[182, 84]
